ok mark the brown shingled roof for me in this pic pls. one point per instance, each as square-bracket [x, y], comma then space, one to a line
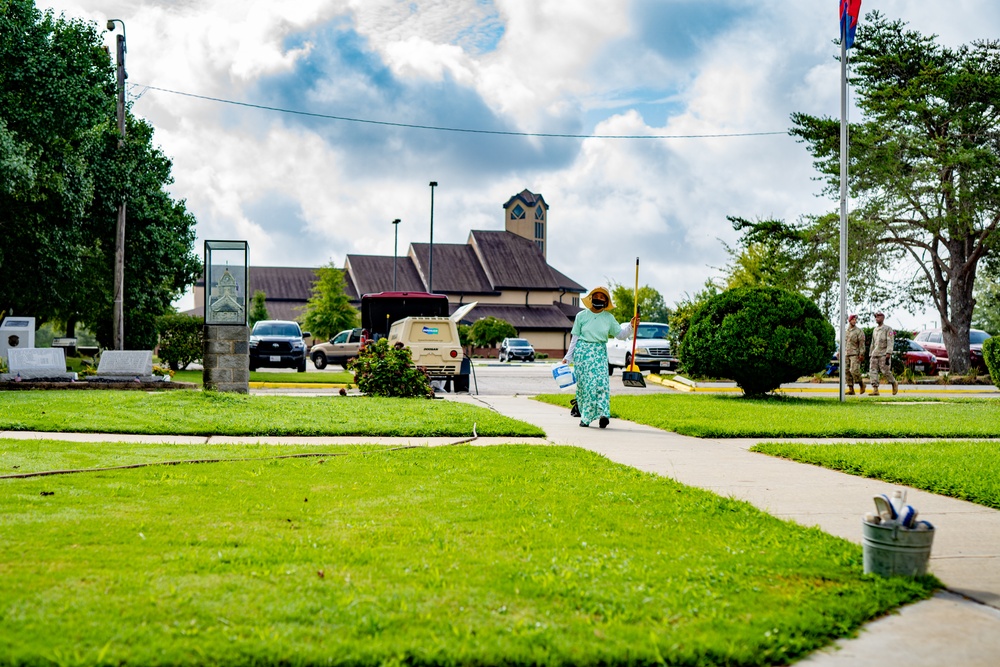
[567, 309]
[457, 269]
[511, 261]
[523, 318]
[373, 273]
[282, 283]
[565, 282]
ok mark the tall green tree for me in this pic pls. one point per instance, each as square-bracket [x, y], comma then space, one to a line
[258, 308]
[987, 314]
[489, 331]
[329, 310]
[924, 161]
[62, 175]
[652, 307]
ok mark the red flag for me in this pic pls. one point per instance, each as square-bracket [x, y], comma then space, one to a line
[849, 12]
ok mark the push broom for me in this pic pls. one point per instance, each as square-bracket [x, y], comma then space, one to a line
[632, 376]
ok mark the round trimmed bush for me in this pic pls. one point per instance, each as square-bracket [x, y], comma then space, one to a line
[760, 337]
[384, 370]
[991, 355]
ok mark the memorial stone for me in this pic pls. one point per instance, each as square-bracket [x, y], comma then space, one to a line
[126, 365]
[43, 363]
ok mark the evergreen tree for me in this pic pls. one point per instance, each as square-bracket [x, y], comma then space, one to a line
[924, 159]
[258, 308]
[329, 310]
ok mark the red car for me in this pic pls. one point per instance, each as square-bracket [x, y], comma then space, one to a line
[933, 341]
[915, 357]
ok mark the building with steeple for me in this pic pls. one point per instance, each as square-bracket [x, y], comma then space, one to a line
[526, 214]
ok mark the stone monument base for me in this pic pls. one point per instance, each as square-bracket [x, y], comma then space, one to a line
[37, 376]
[32, 385]
[122, 378]
[226, 358]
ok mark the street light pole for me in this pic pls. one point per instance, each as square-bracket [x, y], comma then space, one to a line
[118, 309]
[430, 262]
[395, 245]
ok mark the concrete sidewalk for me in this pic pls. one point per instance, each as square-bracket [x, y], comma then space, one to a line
[959, 627]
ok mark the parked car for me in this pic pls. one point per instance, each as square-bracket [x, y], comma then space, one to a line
[516, 348]
[339, 350]
[933, 341]
[652, 349]
[277, 344]
[905, 354]
[915, 357]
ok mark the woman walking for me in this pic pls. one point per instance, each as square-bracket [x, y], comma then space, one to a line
[588, 352]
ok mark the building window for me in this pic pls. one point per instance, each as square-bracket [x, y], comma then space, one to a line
[576, 301]
[539, 230]
[517, 213]
[541, 246]
[539, 213]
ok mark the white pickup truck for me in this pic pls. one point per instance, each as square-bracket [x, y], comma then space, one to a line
[652, 349]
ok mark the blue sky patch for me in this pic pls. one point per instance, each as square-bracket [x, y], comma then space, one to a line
[677, 28]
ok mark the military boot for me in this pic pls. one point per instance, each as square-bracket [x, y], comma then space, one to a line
[874, 390]
[895, 387]
[850, 391]
[862, 386]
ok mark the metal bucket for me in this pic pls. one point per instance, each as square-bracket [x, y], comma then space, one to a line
[896, 551]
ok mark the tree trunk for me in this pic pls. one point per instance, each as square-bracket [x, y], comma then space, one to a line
[956, 322]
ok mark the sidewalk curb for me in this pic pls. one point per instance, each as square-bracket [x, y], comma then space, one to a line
[718, 388]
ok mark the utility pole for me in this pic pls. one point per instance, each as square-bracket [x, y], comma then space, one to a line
[395, 245]
[118, 306]
[430, 268]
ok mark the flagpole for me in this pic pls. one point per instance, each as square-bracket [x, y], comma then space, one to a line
[844, 146]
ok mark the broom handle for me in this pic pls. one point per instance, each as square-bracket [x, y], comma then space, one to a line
[635, 311]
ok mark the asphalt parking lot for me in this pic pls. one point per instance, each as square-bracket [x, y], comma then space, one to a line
[492, 378]
[525, 379]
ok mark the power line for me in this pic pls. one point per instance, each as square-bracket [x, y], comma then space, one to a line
[466, 130]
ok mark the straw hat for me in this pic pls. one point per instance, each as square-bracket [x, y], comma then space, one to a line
[587, 300]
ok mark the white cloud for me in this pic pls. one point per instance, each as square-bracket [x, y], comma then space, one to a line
[305, 192]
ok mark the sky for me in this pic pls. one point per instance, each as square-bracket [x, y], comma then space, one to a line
[305, 189]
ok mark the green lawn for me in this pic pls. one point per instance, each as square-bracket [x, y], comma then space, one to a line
[316, 377]
[311, 377]
[211, 413]
[966, 470]
[730, 416]
[511, 555]
[19, 456]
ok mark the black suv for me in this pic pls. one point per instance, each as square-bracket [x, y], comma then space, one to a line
[516, 348]
[278, 344]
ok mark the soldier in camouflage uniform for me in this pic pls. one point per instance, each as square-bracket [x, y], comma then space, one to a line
[854, 353]
[883, 338]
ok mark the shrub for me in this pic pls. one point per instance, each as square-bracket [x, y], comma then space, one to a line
[991, 355]
[181, 339]
[684, 310]
[489, 331]
[381, 370]
[759, 337]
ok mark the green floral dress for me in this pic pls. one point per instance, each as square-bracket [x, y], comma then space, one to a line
[590, 362]
[593, 389]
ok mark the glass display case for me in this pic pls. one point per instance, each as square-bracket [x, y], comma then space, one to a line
[226, 273]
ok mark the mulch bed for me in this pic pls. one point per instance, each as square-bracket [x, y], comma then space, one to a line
[83, 384]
